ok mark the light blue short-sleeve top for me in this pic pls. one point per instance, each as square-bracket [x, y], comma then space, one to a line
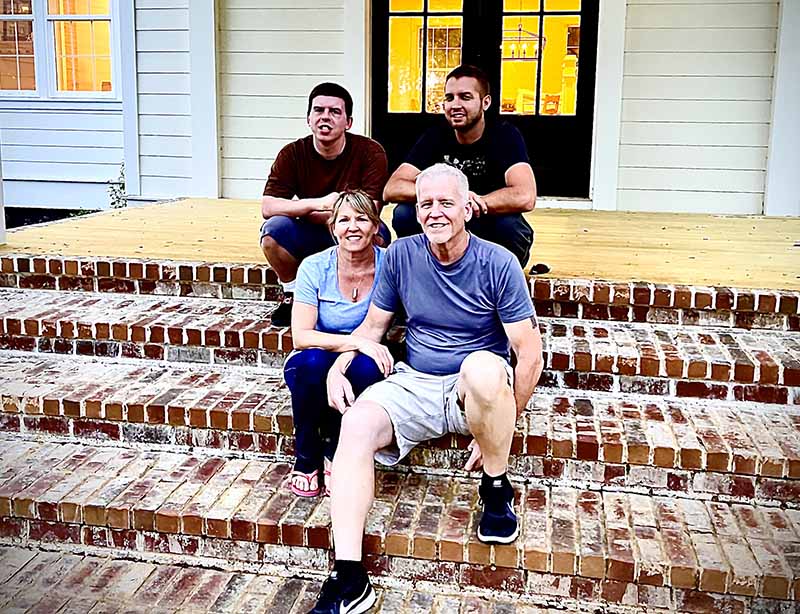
[317, 284]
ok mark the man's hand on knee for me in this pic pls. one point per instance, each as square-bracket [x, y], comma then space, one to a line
[340, 391]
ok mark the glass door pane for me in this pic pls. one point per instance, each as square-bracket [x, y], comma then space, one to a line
[405, 65]
[519, 65]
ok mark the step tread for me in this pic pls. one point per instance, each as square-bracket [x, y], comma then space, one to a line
[742, 438]
[746, 438]
[50, 581]
[651, 540]
[696, 355]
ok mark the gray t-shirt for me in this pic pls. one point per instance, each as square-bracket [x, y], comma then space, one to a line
[453, 310]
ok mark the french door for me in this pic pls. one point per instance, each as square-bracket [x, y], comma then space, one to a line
[540, 56]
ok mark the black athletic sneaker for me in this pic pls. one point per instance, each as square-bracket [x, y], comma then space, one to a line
[282, 316]
[335, 598]
[498, 523]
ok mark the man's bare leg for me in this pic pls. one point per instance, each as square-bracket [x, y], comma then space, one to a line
[490, 408]
[366, 428]
[282, 262]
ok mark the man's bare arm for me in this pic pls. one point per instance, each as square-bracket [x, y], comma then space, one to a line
[317, 210]
[526, 341]
[401, 186]
[519, 195]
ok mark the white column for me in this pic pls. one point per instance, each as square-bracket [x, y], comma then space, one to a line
[608, 103]
[356, 61]
[203, 95]
[130, 97]
[782, 194]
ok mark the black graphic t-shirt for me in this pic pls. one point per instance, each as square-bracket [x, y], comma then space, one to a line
[484, 162]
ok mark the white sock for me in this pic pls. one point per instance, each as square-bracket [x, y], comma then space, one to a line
[288, 286]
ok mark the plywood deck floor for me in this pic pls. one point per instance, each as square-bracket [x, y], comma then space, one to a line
[736, 251]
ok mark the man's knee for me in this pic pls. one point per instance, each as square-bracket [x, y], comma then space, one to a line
[274, 229]
[365, 427]
[404, 220]
[483, 376]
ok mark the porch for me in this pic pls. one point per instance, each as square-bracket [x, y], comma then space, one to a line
[662, 248]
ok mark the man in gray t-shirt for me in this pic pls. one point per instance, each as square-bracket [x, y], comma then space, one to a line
[467, 306]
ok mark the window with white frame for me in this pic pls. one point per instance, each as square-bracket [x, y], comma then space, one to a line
[56, 47]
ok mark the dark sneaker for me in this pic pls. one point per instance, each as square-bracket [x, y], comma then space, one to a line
[335, 598]
[282, 316]
[498, 523]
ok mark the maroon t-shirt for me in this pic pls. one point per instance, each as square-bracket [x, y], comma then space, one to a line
[300, 171]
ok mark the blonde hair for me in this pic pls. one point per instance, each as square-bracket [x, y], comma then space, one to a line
[361, 202]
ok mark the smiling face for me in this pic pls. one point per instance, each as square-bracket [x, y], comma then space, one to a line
[463, 104]
[442, 210]
[354, 231]
[328, 119]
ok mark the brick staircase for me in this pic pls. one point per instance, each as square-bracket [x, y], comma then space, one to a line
[658, 465]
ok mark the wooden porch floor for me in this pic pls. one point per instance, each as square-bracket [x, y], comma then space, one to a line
[735, 251]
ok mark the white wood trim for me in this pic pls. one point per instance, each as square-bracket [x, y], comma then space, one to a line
[357, 61]
[608, 104]
[545, 202]
[2, 206]
[782, 194]
[203, 93]
[130, 96]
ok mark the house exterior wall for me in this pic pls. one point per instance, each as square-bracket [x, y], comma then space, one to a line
[164, 108]
[270, 54]
[697, 91]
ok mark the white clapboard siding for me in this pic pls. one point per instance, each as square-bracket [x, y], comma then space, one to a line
[164, 102]
[696, 107]
[271, 53]
[55, 194]
[45, 149]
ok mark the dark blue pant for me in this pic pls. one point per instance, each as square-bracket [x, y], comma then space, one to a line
[511, 230]
[316, 424]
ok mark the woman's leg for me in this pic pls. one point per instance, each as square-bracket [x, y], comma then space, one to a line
[306, 373]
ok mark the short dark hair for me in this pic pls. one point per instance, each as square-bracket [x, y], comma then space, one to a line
[468, 70]
[331, 89]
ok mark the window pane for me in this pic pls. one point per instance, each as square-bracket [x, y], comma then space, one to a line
[82, 50]
[560, 65]
[404, 6]
[519, 6]
[99, 7]
[68, 7]
[562, 5]
[442, 58]
[520, 61]
[405, 64]
[15, 7]
[16, 56]
[440, 6]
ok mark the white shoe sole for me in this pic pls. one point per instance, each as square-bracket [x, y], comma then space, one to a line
[362, 604]
[495, 539]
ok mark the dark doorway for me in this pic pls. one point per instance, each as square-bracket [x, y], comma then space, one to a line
[540, 56]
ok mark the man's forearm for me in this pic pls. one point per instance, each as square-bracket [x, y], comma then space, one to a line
[510, 200]
[272, 205]
[400, 190]
[526, 376]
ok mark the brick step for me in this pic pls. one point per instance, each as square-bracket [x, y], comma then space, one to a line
[241, 510]
[34, 580]
[662, 359]
[638, 301]
[742, 450]
[161, 328]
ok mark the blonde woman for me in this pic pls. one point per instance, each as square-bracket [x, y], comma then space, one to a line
[332, 294]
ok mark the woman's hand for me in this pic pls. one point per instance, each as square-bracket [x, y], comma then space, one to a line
[379, 353]
[340, 391]
[475, 460]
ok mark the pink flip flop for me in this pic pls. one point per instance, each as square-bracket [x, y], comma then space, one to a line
[327, 482]
[304, 484]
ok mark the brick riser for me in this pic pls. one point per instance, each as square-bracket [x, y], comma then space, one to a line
[442, 455]
[667, 304]
[232, 506]
[574, 593]
[567, 298]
